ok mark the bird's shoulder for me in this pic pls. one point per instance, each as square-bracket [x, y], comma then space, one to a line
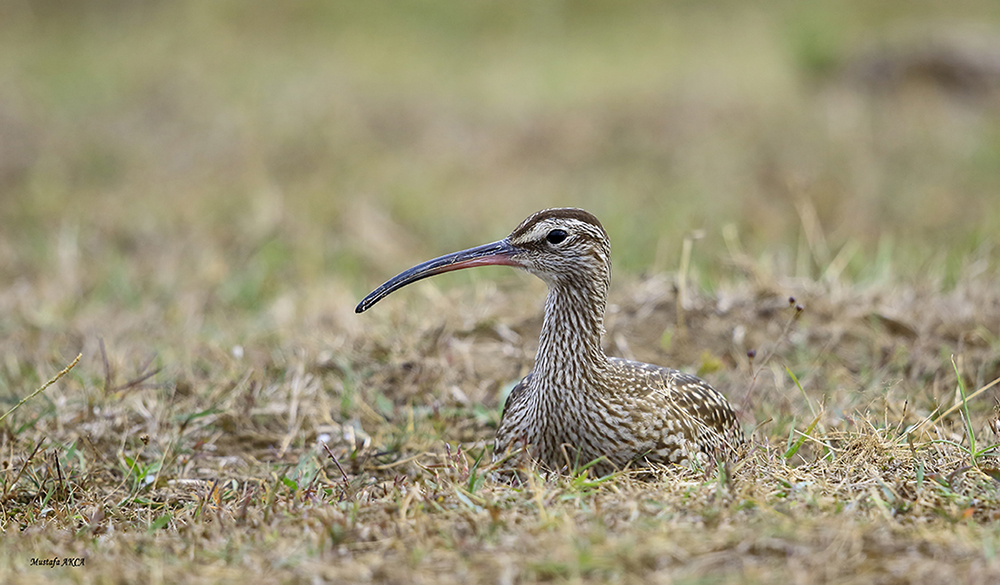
[515, 396]
[696, 396]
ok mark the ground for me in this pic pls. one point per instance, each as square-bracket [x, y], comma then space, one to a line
[194, 196]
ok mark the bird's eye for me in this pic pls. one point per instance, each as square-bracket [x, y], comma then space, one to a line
[556, 236]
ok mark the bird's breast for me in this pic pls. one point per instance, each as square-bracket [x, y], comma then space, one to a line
[563, 424]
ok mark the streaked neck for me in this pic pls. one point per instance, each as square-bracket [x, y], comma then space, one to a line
[569, 348]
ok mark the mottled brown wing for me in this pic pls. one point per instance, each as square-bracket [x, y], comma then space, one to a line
[705, 406]
[705, 403]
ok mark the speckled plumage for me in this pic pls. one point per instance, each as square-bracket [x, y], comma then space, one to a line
[578, 404]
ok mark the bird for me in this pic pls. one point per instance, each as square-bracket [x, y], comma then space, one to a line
[579, 407]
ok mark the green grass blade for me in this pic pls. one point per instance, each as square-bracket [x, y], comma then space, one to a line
[795, 447]
[965, 412]
[795, 379]
[160, 522]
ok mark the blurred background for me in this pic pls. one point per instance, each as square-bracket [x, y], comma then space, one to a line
[195, 194]
[244, 151]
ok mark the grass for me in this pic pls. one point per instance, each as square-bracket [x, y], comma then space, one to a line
[195, 196]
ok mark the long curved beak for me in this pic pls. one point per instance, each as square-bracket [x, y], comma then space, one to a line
[497, 253]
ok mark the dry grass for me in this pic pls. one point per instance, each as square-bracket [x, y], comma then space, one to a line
[223, 470]
[196, 195]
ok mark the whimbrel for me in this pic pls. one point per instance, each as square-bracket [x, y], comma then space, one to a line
[578, 404]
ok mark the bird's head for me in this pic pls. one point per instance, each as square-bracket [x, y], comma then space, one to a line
[563, 247]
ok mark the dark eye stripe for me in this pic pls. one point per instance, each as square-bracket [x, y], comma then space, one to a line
[556, 236]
